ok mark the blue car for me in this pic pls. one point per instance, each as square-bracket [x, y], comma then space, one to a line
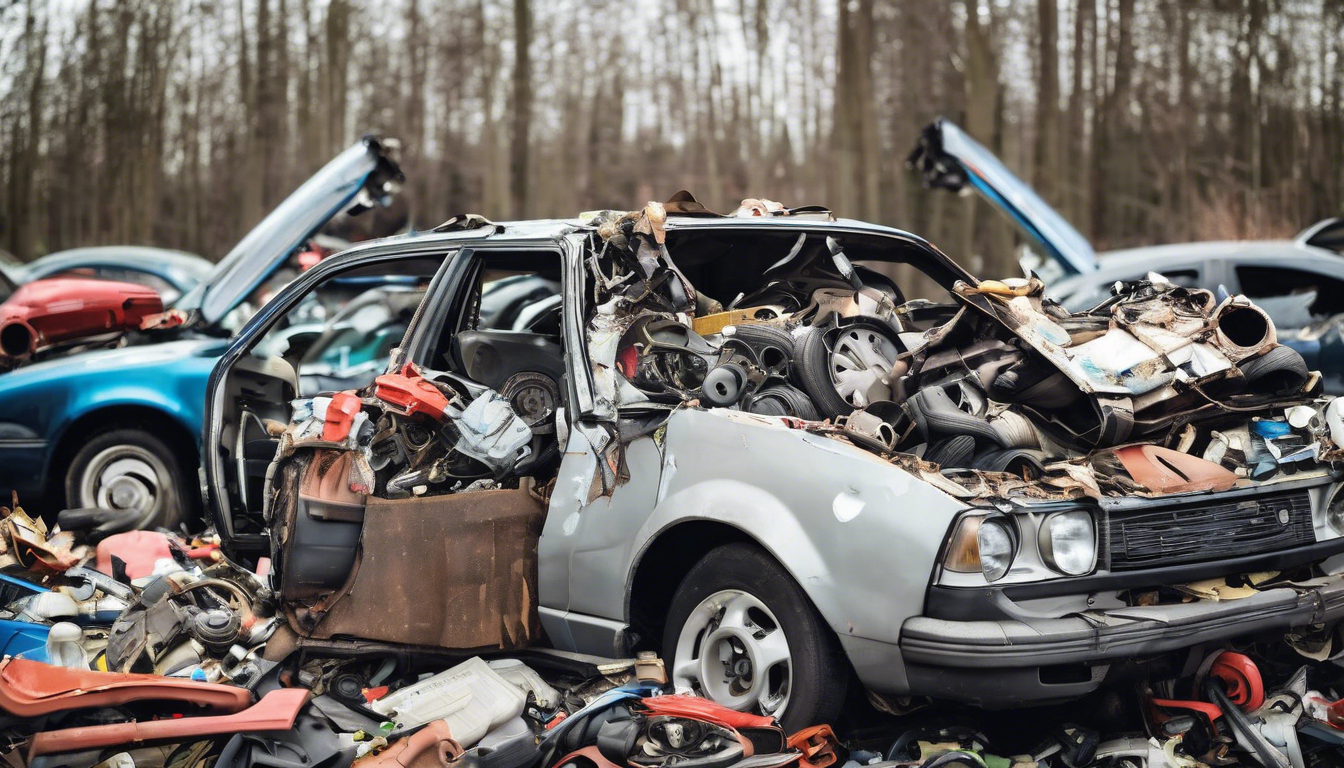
[119, 428]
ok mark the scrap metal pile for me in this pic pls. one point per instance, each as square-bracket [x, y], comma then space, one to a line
[1159, 389]
[144, 648]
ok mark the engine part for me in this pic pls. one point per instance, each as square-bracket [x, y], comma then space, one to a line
[217, 629]
[724, 384]
[1242, 329]
[534, 397]
[869, 429]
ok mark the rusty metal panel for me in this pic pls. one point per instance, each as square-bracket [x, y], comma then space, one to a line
[454, 571]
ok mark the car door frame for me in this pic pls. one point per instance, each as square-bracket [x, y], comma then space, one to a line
[218, 500]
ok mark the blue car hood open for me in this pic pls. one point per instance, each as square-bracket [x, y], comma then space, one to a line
[364, 167]
[949, 158]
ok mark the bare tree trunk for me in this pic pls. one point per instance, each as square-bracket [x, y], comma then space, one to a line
[522, 107]
[1047, 102]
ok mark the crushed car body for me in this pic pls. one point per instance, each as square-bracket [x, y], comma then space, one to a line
[706, 472]
[983, 498]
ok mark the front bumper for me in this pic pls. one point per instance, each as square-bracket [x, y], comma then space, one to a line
[1029, 660]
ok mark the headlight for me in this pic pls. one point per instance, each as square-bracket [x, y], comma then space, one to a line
[996, 549]
[1068, 542]
[983, 544]
[1334, 511]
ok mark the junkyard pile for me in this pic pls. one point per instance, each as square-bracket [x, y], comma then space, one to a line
[145, 648]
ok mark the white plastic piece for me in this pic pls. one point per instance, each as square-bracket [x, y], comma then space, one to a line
[528, 681]
[1334, 419]
[64, 647]
[472, 697]
[492, 433]
[49, 606]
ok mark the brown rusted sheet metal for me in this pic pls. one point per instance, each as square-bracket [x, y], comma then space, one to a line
[453, 571]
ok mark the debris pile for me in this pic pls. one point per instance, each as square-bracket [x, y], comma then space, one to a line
[134, 648]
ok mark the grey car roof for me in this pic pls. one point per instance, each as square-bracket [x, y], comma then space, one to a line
[138, 257]
[1128, 263]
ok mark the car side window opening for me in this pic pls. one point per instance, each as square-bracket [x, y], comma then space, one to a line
[1293, 298]
[340, 334]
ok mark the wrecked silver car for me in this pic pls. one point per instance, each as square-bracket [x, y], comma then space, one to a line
[737, 441]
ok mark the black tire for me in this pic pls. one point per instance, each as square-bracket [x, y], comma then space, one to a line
[767, 341]
[951, 452]
[174, 494]
[820, 673]
[1278, 370]
[812, 360]
[783, 400]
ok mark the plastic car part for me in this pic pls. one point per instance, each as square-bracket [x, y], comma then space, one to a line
[98, 523]
[512, 745]
[671, 740]
[725, 384]
[868, 429]
[490, 432]
[340, 416]
[471, 698]
[276, 711]
[1241, 679]
[1163, 470]
[31, 689]
[431, 747]
[48, 312]
[139, 550]
[410, 394]
[311, 743]
[818, 746]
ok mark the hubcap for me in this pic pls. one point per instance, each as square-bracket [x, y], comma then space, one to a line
[861, 362]
[733, 650]
[124, 477]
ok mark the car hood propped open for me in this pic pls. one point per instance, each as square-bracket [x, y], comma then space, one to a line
[363, 175]
[949, 158]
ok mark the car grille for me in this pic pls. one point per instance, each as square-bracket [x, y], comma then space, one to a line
[1194, 534]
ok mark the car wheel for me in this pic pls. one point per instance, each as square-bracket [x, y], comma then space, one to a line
[847, 367]
[741, 632]
[129, 469]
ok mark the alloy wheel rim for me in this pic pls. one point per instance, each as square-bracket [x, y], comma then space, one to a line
[124, 477]
[733, 650]
[861, 360]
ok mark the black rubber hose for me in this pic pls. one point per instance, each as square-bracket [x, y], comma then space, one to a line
[935, 413]
[1265, 752]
